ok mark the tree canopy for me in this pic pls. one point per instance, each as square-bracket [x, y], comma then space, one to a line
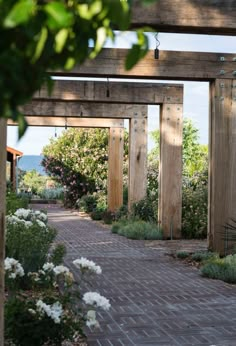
[78, 160]
[40, 35]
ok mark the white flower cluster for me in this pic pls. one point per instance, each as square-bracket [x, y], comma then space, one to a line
[85, 264]
[41, 216]
[24, 213]
[95, 299]
[91, 320]
[12, 219]
[53, 311]
[27, 217]
[48, 266]
[41, 223]
[61, 270]
[13, 268]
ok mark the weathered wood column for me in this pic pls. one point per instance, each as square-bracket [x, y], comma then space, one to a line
[115, 168]
[137, 186]
[3, 158]
[222, 161]
[170, 170]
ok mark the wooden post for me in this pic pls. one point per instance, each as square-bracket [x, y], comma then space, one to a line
[137, 159]
[222, 161]
[170, 170]
[115, 168]
[3, 158]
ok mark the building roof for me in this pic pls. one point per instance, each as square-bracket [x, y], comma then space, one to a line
[14, 151]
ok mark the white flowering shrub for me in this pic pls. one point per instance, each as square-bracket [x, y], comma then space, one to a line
[28, 238]
[13, 268]
[86, 265]
[53, 308]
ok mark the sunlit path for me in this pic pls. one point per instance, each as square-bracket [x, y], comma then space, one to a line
[155, 299]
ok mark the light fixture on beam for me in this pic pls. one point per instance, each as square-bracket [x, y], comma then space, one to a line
[156, 50]
[108, 89]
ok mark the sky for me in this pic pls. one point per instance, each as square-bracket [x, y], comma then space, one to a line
[196, 94]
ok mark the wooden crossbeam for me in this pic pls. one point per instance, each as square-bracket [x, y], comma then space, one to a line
[70, 122]
[172, 65]
[113, 92]
[211, 17]
[82, 109]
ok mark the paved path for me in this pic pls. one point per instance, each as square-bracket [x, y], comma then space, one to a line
[156, 300]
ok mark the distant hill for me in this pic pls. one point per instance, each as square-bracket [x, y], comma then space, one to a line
[30, 162]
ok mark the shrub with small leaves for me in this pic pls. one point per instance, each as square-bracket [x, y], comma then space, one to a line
[145, 209]
[87, 203]
[57, 254]
[30, 227]
[182, 254]
[201, 256]
[137, 230]
[221, 268]
[14, 202]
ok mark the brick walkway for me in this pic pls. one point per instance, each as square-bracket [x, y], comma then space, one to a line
[155, 299]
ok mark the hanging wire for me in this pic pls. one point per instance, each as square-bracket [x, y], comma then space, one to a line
[55, 134]
[108, 88]
[156, 50]
[65, 123]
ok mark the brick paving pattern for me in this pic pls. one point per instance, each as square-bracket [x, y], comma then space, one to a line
[156, 300]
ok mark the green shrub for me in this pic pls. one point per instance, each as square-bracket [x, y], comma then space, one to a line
[223, 269]
[14, 202]
[125, 195]
[87, 203]
[145, 209]
[57, 254]
[118, 225]
[96, 215]
[194, 212]
[55, 193]
[137, 230]
[122, 212]
[101, 200]
[201, 256]
[28, 238]
[182, 254]
[108, 217]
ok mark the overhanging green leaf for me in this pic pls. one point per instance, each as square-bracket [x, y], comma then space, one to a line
[20, 13]
[40, 45]
[58, 15]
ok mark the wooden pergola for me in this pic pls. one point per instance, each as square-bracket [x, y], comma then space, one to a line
[85, 102]
[219, 70]
[216, 17]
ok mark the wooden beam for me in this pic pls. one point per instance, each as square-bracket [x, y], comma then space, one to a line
[222, 166]
[172, 65]
[70, 122]
[211, 17]
[81, 109]
[132, 93]
[137, 186]
[3, 158]
[115, 168]
[170, 171]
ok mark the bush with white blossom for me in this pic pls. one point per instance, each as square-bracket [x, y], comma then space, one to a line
[13, 268]
[53, 309]
[86, 265]
[36, 237]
